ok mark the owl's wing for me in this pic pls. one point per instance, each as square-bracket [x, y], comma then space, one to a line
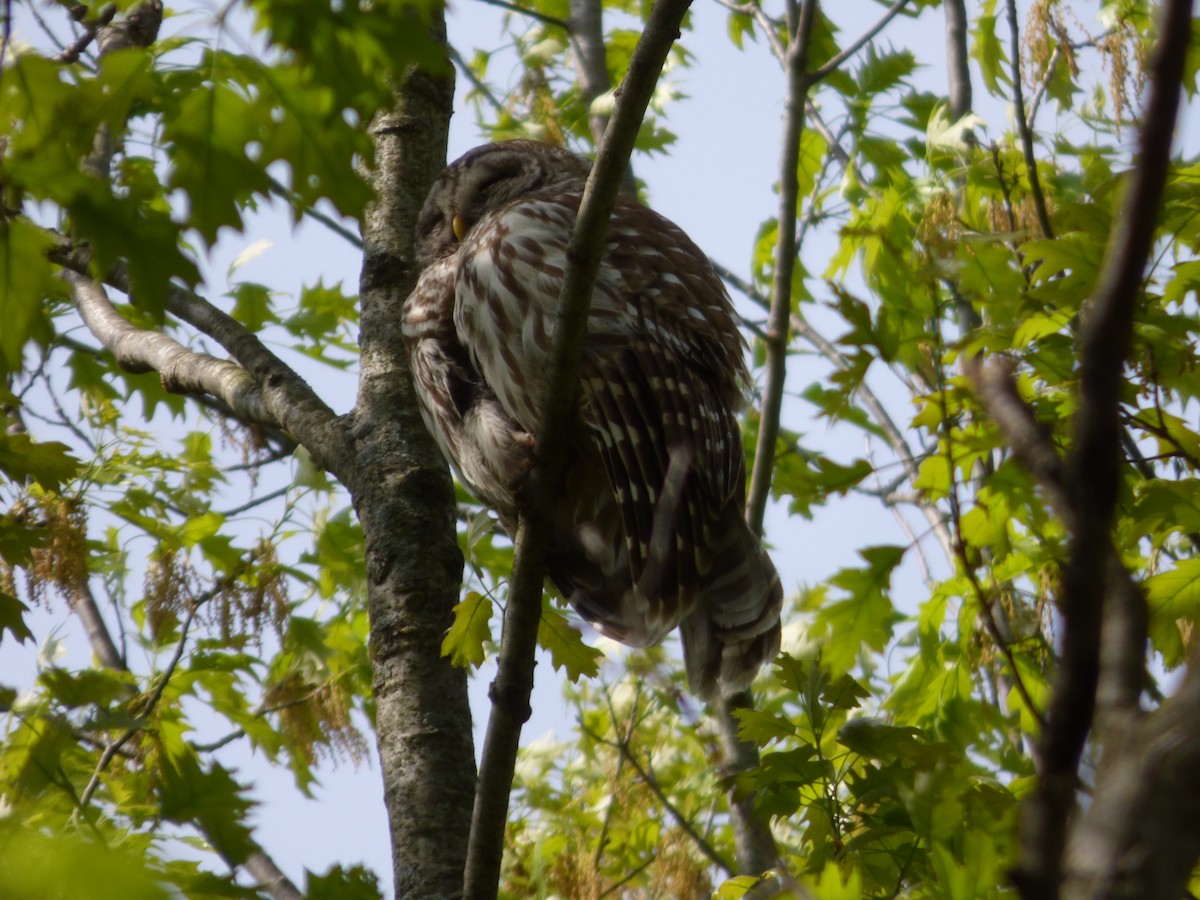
[661, 379]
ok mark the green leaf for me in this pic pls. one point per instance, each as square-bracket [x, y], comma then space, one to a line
[34, 865]
[464, 641]
[49, 463]
[209, 799]
[877, 740]
[353, 883]
[1174, 600]
[865, 618]
[25, 282]
[12, 618]
[763, 728]
[565, 644]
[987, 50]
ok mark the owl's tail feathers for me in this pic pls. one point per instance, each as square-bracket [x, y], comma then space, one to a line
[735, 626]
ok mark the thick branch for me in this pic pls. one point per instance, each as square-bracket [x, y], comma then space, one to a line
[958, 68]
[514, 679]
[182, 370]
[264, 389]
[1140, 836]
[1093, 467]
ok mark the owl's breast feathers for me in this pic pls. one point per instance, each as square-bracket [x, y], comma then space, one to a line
[649, 528]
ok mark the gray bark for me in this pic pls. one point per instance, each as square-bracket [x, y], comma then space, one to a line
[403, 494]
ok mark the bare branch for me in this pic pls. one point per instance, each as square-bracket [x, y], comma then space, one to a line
[1025, 435]
[83, 603]
[958, 68]
[532, 13]
[857, 45]
[514, 679]
[647, 778]
[281, 191]
[1035, 183]
[591, 59]
[270, 877]
[482, 89]
[267, 390]
[182, 370]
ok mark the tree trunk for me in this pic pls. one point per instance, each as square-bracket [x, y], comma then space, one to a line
[404, 498]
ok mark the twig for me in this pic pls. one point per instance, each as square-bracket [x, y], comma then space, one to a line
[802, 329]
[651, 782]
[112, 749]
[833, 64]
[280, 190]
[1044, 83]
[1035, 184]
[482, 89]
[532, 13]
[257, 501]
[514, 679]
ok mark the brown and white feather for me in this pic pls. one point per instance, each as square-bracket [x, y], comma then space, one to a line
[650, 532]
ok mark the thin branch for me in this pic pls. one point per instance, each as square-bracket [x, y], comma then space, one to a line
[785, 261]
[514, 679]
[532, 13]
[257, 501]
[1044, 83]
[591, 59]
[895, 439]
[84, 604]
[1093, 467]
[651, 782]
[1035, 184]
[857, 45]
[1025, 435]
[112, 749]
[307, 209]
[482, 89]
[270, 877]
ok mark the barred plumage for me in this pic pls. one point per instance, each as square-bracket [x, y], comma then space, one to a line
[649, 530]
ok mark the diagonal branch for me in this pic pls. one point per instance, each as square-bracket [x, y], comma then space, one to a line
[182, 370]
[263, 389]
[514, 679]
[861, 42]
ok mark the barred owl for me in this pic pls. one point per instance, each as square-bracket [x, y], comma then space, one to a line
[649, 531]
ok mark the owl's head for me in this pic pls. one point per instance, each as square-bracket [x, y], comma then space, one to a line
[486, 179]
